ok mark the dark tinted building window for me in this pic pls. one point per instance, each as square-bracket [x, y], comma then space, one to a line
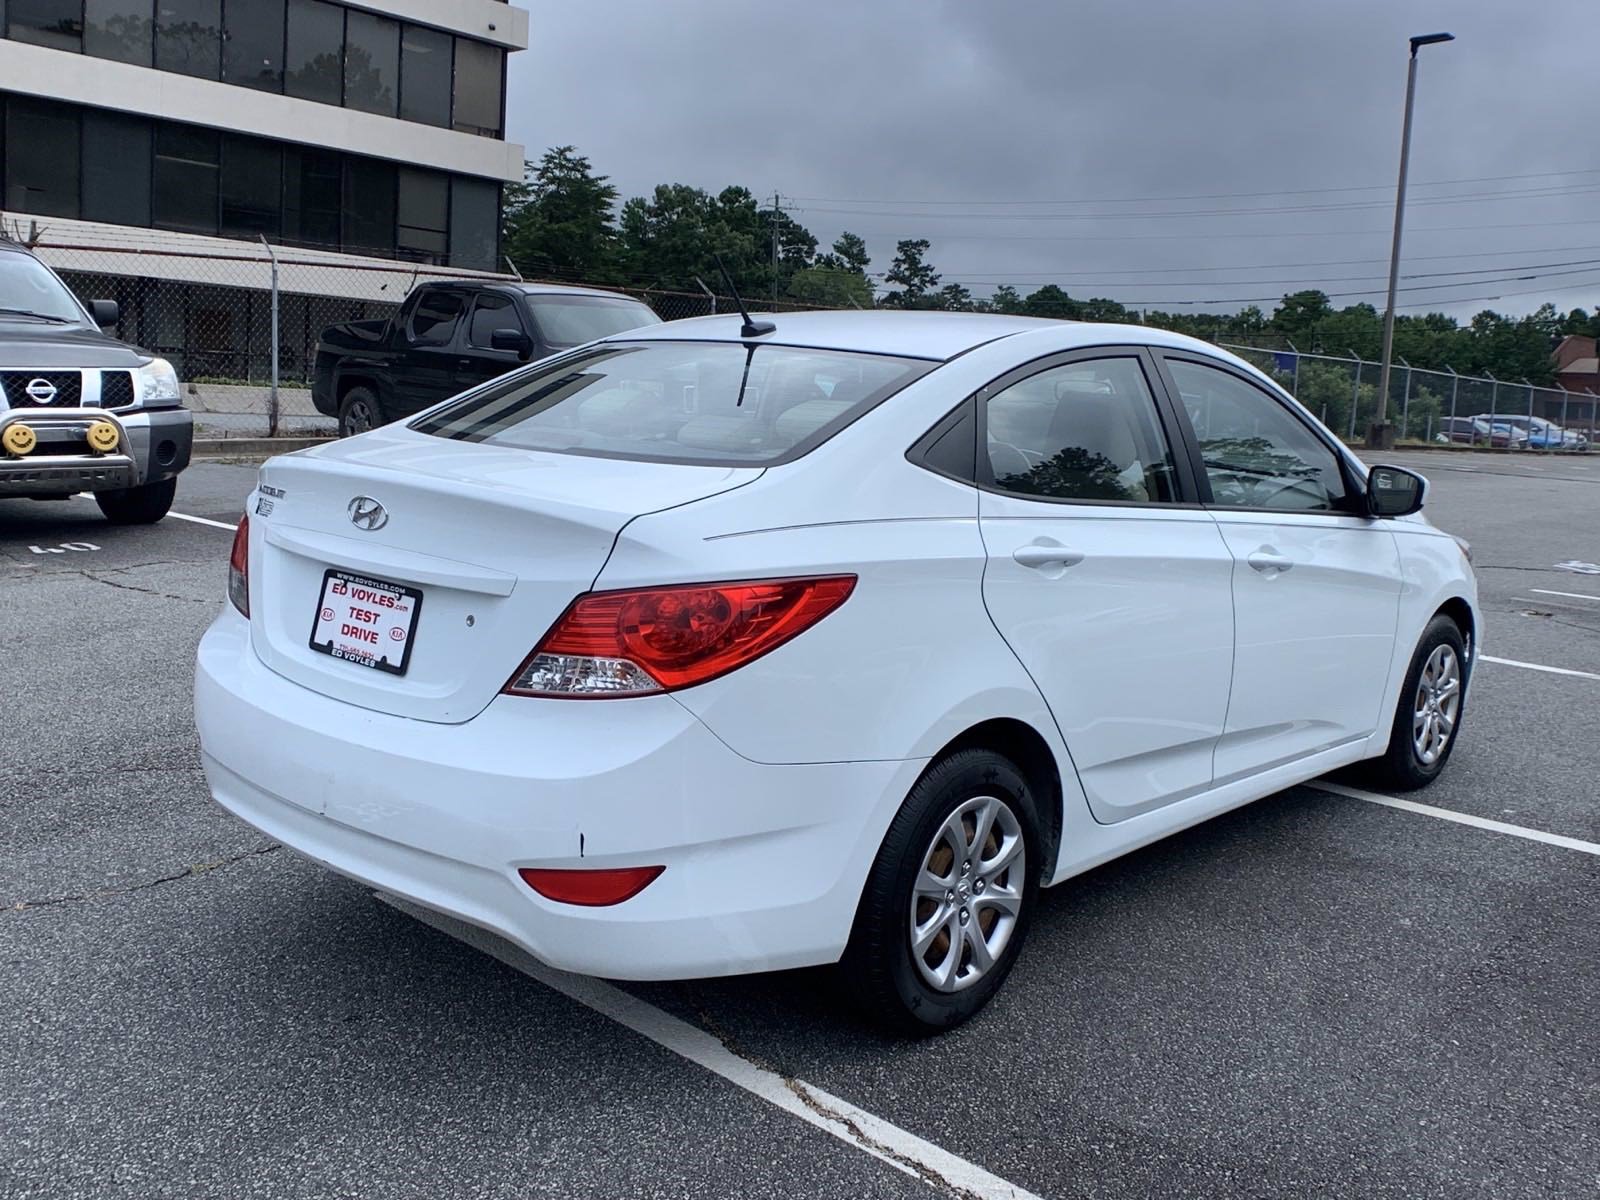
[54, 23]
[252, 183]
[252, 54]
[40, 178]
[189, 37]
[474, 224]
[184, 190]
[479, 97]
[116, 168]
[424, 216]
[371, 63]
[369, 206]
[313, 62]
[425, 75]
[312, 183]
[120, 30]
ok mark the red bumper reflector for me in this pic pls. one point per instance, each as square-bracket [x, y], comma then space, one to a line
[593, 889]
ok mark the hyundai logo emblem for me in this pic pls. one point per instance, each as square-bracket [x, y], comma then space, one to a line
[41, 390]
[366, 513]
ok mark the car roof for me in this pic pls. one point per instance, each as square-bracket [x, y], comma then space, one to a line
[18, 247]
[930, 335]
[529, 289]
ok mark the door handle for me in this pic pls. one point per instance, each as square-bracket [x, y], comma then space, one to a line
[1270, 562]
[1047, 554]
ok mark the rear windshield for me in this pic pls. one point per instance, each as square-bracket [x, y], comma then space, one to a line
[697, 402]
[574, 320]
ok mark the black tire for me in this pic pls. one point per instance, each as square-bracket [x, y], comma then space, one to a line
[1403, 767]
[879, 970]
[359, 411]
[142, 505]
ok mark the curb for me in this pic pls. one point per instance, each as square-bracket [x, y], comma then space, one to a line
[253, 447]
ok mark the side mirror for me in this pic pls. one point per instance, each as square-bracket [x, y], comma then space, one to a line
[511, 339]
[106, 313]
[1395, 491]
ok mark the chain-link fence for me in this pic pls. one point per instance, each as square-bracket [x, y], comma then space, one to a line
[211, 312]
[1439, 407]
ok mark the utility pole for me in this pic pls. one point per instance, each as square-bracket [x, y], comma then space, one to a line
[776, 200]
[1380, 434]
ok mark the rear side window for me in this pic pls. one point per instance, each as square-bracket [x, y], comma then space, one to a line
[695, 402]
[434, 323]
[573, 320]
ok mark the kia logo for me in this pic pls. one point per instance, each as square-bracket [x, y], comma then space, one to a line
[41, 390]
[366, 513]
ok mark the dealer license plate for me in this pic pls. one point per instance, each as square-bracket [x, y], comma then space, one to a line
[365, 621]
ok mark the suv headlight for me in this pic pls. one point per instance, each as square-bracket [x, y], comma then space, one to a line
[156, 380]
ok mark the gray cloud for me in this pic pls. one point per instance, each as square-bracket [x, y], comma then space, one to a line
[936, 106]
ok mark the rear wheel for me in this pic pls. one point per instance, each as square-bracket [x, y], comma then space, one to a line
[359, 411]
[142, 505]
[950, 896]
[1428, 715]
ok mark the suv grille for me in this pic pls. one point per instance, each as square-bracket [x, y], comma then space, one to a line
[116, 389]
[68, 387]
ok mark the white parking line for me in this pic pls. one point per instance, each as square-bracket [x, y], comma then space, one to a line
[1528, 666]
[1573, 595]
[204, 521]
[854, 1126]
[1445, 814]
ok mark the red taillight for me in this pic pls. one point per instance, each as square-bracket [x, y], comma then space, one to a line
[239, 568]
[594, 889]
[648, 640]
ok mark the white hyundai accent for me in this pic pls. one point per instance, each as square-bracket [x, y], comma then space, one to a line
[711, 648]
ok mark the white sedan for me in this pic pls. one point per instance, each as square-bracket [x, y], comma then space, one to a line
[710, 649]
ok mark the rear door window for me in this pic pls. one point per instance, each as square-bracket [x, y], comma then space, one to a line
[696, 402]
[435, 319]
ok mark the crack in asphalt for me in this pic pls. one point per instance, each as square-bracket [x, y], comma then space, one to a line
[190, 872]
[133, 587]
[803, 1092]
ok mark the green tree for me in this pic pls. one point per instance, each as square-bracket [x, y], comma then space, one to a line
[915, 277]
[953, 297]
[559, 219]
[830, 287]
[1006, 299]
[1050, 301]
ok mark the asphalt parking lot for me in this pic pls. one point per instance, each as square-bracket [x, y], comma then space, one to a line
[1317, 994]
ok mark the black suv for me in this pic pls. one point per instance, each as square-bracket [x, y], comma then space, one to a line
[452, 335]
[79, 410]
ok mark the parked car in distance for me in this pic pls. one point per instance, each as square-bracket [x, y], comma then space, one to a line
[451, 335]
[1539, 433]
[81, 411]
[733, 647]
[1479, 431]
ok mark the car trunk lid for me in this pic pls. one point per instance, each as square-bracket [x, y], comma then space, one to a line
[497, 541]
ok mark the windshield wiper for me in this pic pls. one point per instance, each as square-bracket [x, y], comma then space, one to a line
[27, 312]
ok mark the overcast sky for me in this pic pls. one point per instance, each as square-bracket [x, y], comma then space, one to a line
[1022, 139]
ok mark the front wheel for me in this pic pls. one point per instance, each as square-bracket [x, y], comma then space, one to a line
[948, 902]
[142, 505]
[1428, 716]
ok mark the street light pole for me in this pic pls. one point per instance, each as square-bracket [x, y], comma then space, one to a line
[1380, 434]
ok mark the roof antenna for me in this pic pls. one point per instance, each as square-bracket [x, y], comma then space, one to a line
[751, 328]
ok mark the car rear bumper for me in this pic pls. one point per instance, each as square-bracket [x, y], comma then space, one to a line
[764, 864]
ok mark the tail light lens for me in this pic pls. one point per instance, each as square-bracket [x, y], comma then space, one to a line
[239, 568]
[633, 643]
[592, 889]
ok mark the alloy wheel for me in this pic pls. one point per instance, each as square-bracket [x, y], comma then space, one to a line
[968, 894]
[1437, 705]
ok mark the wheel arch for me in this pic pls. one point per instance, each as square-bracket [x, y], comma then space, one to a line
[1027, 748]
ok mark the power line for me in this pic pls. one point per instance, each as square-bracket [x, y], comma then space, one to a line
[990, 277]
[1173, 214]
[1210, 236]
[1389, 186]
